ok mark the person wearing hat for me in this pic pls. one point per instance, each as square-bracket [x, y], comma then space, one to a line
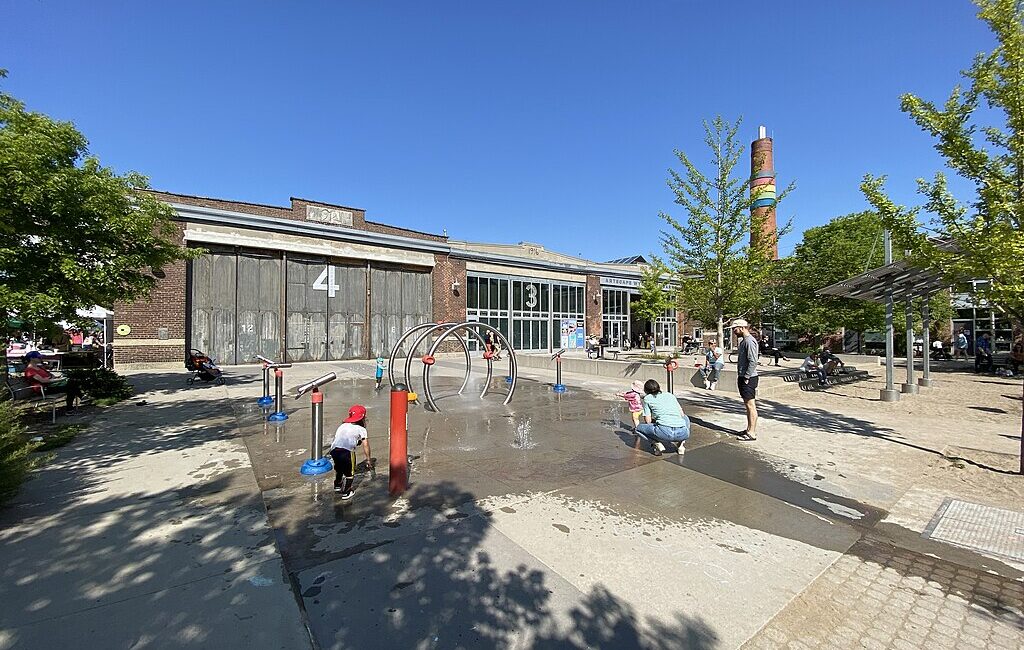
[746, 375]
[350, 434]
[52, 382]
[634, 401]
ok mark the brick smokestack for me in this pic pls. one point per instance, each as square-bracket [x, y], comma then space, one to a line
[762, 193]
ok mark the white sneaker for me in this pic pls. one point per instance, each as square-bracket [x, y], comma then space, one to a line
[681, 449]
[659, 446]
[714, 385]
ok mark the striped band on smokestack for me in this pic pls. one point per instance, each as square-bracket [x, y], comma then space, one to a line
[762, 191]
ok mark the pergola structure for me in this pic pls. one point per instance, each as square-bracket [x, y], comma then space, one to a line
[887, 284]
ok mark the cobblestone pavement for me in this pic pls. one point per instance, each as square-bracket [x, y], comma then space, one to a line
[878, 597]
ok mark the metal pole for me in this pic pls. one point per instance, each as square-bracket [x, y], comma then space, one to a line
[909, 387]
[670, 367]
[559, 387]
[316, 464]
[278, 415]
[398, 476]
[266, 399]
[926, 346]
[889, 393]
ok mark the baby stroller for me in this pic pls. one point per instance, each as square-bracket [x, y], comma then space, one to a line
[202, 367]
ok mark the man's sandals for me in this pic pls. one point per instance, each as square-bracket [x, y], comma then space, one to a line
[746, 437]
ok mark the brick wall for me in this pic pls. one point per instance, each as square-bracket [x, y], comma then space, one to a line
[234, 206]
[447, 305]
[163, 307]
[593, 310]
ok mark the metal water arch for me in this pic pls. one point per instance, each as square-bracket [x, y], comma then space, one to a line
[408, 362]
[472, 327]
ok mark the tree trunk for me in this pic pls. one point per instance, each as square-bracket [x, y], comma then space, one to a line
[721, 331]
[1022, 429]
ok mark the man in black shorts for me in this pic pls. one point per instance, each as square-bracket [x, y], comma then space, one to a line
[746, 375]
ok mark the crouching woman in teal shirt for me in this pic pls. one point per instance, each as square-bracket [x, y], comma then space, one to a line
[664, 421]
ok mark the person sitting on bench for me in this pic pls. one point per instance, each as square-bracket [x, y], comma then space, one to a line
[52, 382]
[768, 349]
[812, 366]
[830, 363]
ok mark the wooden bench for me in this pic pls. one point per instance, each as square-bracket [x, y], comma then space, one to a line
[20, 390]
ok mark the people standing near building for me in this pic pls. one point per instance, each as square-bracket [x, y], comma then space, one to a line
[983, 354]
[350, 434]
[378, 372]
[492, 345]
[634, 401]
[746, 375]
[664, 420]
[960, 349]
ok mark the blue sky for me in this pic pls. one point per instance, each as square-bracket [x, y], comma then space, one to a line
[551, 122]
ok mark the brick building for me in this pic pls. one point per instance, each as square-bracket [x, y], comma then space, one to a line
[316, 281]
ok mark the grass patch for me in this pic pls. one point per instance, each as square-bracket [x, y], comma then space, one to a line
[62, 436]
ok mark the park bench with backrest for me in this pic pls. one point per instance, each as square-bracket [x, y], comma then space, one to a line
[21, 391]
[844, 375]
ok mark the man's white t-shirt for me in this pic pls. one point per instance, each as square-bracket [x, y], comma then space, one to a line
[348, 436]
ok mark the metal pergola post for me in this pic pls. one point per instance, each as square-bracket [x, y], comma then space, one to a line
[909, 387]
[889, 393]
[926, 375]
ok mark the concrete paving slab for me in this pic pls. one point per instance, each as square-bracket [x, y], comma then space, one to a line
[123, 553]
[729, 577]
[252, 608]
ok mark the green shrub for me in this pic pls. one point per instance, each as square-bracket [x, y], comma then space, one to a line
[59, 438]
[15, 461]
[102, 384]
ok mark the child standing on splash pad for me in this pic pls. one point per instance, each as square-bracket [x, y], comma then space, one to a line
[350, 434]
[634, 400]
[379, 372]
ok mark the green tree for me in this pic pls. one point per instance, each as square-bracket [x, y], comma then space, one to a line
[983, 239]
[979, 132]
[719, 275]
[73, 234]
[654, 297]
[844, 247]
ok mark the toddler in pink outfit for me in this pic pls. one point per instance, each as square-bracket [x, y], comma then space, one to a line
[634, 400]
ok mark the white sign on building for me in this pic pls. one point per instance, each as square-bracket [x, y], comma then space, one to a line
[333, 216]
[620, 282]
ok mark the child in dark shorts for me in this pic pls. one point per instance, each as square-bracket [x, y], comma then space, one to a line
[350, 434]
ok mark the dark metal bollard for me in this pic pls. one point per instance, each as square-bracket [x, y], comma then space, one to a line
[670, 367]
[316, 464]
[559, 387]
[278, 415]
[266, 400]
[398, 476]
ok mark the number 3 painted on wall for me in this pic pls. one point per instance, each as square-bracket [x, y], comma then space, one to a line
[531, 295]
[325, 282]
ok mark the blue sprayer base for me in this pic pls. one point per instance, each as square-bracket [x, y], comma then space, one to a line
[280, 416]
[558, 388]
[266, 400]
[508, 379]
[313, 467]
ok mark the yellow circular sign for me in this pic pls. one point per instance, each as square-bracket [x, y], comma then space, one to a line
[124, 330]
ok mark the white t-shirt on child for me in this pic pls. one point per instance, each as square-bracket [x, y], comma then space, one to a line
[348, 436]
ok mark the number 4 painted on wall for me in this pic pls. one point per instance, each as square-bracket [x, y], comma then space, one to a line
[325, 282]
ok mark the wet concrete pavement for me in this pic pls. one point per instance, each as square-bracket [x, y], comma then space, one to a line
[520, 518]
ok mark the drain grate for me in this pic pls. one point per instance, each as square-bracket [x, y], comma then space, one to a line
[994, 531]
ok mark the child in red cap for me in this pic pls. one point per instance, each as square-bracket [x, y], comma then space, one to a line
[349, 435]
